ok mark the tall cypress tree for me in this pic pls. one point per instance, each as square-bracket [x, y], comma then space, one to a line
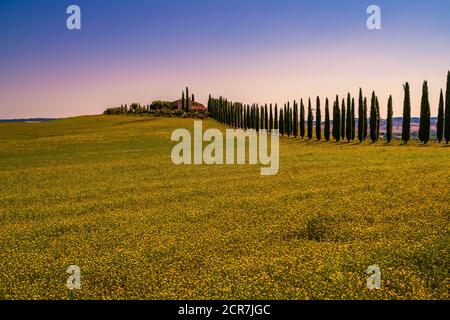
[187, 100]
[289, 119]
[406, 126]
[327, 121]
[424, 130]
[302, 119]
[440, 120]
[263, 121]
[348, 129]
[295, 119]
[337, 121]
[447, 111]
[281, 123]
[360, 116]
[378, 118]
[310, 120]
[266, 118]
[353, 119]
[343, 120]
[318, 120]
[389, 120]
[333, 130]
[373, 118]
[366, 123]
[182, 100]
[271, 118]
[275, 125]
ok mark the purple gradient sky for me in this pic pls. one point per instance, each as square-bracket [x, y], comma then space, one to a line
[246, 50]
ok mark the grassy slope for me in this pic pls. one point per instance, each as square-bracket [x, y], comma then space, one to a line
[101, 192]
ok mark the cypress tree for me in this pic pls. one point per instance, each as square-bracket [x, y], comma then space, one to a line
[318, 120]
[337, 121]
[424, 130]
[373, 118]
[360, 116]
[209, 103]
[302, 119]
[343, 120]
[406, 126]
[327, 121]
[447, 111]
[193, 98]
[281, 122]
[366, 124]
[440, 121]
[333, 130]
[182, 100]
[271, 119]
[258, 124]
[389, 120]
[287, 117]
[187, 100]
[266, 118]
[295, 119]
[262, 118]
[348, 129]
[291, 120]
[353, 119]
[310, 120]
[245, 118]
[276, 117]
[378, 117]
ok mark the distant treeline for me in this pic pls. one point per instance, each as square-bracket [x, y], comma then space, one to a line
[29, 120]
[297, 120]
[136, 108]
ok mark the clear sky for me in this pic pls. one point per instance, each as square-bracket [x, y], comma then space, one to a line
[247, 50]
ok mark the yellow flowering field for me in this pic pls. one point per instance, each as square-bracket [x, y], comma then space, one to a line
[101, 192]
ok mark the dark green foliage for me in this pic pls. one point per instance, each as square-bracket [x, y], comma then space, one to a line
[302, 119]
[318, 120]
[281, 122]
[257, 118]
[310, 120]
[373, 118]
[336, 120]
[182, 101]
[295, 124]
[276, 127]
[266, 118]
[353, 122]
[327, 121]
[348, 128]
[187, 100]
[440, 121]
[158, 104]
[424, 130]
[366, 124]
[389, 120]
[360, 116]
[406, 126]
[377, 104]
[343, 119]
[271, 119]
[447, 111]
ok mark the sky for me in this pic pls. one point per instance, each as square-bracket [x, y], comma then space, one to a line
[246, 50]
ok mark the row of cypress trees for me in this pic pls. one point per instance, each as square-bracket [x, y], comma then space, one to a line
[185, 100]
[291, 121]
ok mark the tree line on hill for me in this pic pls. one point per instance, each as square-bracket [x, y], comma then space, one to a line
[295, 120]
[154, 107]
